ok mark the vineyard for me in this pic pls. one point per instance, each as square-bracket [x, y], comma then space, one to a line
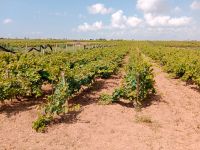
[50, 72]
[24, 74]
[180, 62]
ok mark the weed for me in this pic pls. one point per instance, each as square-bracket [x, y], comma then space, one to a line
[105, 99]
[143, 119]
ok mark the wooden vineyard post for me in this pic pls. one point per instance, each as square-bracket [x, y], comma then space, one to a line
[56, 47]
[63, 78]
[137, 88]
[138, 78]
[26, 47]
[64, 84]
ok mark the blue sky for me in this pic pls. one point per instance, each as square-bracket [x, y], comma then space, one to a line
[113, 19]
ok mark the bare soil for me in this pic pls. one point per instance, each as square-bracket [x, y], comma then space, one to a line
[170, 120]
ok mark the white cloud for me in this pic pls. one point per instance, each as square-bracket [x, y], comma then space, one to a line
[118, 20]
[99, 9]
[91, 27]
[181, 21]
[152, 6]
[133, 21]
[7, 21]
[156, 21]
[195, 5]
[155, 14]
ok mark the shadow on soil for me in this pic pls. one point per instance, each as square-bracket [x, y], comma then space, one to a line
[86, 97]
[197, 89]
[69, 118]
[83, 98]
[192, 86]
[151, 100]
[14, 107]
[147, 102]
[125, 104]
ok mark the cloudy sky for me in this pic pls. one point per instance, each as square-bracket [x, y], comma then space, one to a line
[111, 19]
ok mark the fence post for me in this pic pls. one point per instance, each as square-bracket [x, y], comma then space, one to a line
[43, 51]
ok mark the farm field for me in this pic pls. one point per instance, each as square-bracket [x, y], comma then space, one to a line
[99, 94]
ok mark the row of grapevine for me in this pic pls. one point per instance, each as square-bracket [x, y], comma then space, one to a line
[138, 81]
[82, 72]
[175, 44]
[24, 74]
[181, 63]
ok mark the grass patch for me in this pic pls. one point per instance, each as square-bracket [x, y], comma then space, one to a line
[105, 99]
[143, 119]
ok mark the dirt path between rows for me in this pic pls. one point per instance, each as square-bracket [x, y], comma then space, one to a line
[171, 121]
